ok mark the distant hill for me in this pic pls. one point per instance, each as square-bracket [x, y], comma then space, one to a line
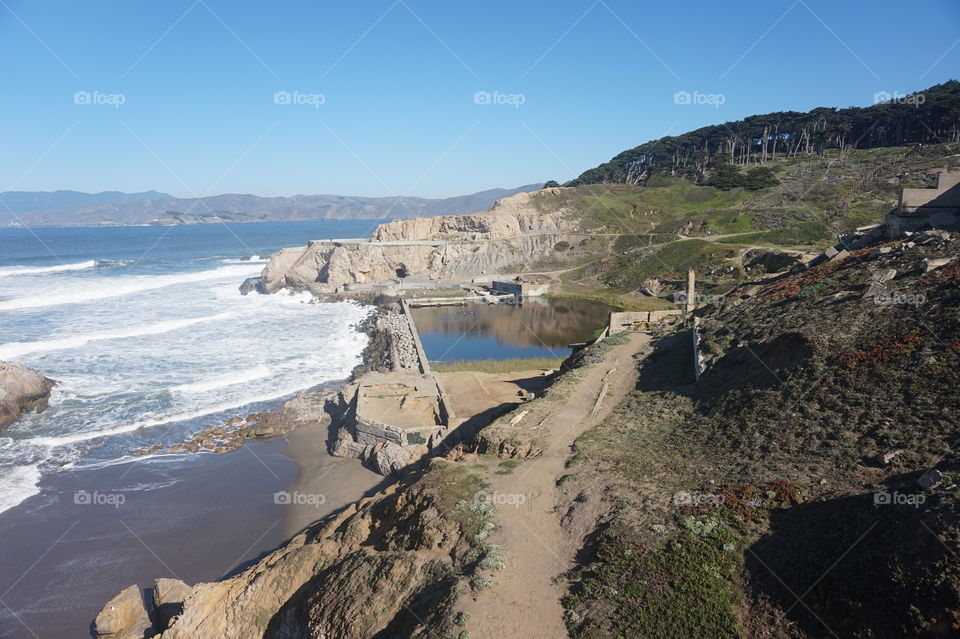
[70, 208]
[925, 117]
[28, 201]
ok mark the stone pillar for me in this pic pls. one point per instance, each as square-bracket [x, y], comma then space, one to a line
[691, 291]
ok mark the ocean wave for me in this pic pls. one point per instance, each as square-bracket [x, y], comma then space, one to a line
[121, 286]
[19, 483]
[222, 381]
[9, 271]
[253, 259]
[76, 438]
[12, 350]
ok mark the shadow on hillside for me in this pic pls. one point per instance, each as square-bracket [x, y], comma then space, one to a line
[669, 366]
[849, 567]
[757, 366]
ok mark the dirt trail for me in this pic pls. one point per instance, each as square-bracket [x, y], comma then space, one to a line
[524, 602]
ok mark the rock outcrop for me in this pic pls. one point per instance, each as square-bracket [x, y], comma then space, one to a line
[22, 390]
[509, 217]
[124, 617]
[392, 565]
[511, 236]
[168, 598]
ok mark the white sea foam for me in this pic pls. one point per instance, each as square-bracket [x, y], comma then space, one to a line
[12, 350]
[19, 483]
[39, 270]
[253, 259]
[225, 380]
[118, 394]
[118, 287]
[74, 438]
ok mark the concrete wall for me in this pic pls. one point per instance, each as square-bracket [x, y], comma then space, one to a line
[421, 354]
[446, 410]
[523, 289]
[945, 196]
[919, 208]
[620, 322]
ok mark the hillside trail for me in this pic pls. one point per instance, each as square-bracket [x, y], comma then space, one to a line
[727, 236]
[524, 601]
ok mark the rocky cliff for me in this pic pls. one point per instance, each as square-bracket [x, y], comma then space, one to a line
[509, 217]
[392, 565]
[22, 390]
[514, 234]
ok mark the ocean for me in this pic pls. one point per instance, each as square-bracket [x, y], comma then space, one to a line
[150, 339]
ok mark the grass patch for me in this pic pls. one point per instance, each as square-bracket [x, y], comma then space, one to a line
[611, 298]
[802, 234]
[507, 466]
[498, 365]
[670, 261]
[687, 588]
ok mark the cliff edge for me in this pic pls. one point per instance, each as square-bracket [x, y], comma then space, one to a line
[514, 234]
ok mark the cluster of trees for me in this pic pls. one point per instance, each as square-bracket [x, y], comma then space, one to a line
[929, 116]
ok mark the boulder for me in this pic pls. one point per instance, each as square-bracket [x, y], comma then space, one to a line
[930, 479]
[887, 458]
[345, 446]
[391, 458]
[934, 264]
[252, 285]
[884, 275]
[22, 390]
[168, 598]
[124, 617]
[771, 261]
[841, 255]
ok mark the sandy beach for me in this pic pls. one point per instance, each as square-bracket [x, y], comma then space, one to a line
[324, 484]
[90, 533]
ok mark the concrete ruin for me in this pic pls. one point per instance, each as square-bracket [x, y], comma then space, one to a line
[391, 419]
[638, 321]
[691, 302]
[937, 208]
[522, 287]
[404, 409]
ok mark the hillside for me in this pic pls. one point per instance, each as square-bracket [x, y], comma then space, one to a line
[20, 202]
[81, 209]
[785, 493]
[925, 117]
[670, 224]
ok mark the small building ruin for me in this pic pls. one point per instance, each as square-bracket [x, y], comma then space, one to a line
[521, 287]
[937, 208]
[405, 409]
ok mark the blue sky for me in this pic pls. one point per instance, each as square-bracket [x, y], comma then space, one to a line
[383, 93]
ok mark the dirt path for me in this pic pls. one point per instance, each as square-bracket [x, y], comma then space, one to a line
[524, 602]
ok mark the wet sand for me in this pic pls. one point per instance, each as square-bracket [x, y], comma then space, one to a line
[197, 518]
[324, 484]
